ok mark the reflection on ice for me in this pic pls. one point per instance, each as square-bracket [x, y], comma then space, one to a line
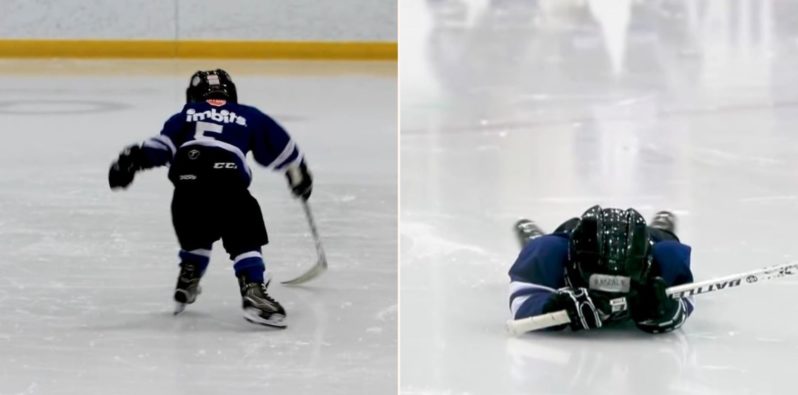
[617, 360]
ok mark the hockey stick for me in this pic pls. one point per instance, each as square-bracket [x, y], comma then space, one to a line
[542, 321]
[321, 262]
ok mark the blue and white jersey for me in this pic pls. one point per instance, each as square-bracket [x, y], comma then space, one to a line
[225, 127]
[539, 271]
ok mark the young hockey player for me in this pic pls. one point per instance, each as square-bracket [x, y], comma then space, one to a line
[607, 266]
[205, 145]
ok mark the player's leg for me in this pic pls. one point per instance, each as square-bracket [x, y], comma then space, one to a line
[663, 226]
[243, 234]
[526, 230]
[192, 266]
[194, 228]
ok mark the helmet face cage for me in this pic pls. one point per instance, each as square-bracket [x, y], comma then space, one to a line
[211, 84]
[610, 247]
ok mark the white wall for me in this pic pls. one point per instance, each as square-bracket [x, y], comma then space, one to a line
[337, 20]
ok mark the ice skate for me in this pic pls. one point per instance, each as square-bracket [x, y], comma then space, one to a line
[259, 307]
[664, 220]
[526, 230]
[187, 287]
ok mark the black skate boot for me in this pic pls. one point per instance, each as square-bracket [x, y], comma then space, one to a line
[259, 307]
[526, 230]
[664, 220]
[187, 287]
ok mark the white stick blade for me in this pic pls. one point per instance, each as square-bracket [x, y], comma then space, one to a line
[523, 325]
[314, 272]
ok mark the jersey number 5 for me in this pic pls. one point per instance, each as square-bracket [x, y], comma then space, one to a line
[207, 130]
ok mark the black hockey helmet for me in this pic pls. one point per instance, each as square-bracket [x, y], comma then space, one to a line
[211, 84]
[608, 250]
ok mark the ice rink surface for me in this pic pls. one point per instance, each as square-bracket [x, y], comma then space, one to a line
[87, 275]
[541, 109]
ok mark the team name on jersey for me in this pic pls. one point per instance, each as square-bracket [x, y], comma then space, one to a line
[222, 116]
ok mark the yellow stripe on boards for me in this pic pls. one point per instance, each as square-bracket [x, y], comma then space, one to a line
[302, 50]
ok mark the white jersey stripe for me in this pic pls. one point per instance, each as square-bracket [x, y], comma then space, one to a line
[157, 144]
[295, 161]
[164, 139]
[287, 151]
[200, 252]
[516, 286]
[517, 303]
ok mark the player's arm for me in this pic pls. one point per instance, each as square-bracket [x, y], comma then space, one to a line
[153, 152]
[275, 149]
[652, 310]
[537, 285]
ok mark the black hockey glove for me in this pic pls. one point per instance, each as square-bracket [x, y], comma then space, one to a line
[583, 312]
[652, 310]
[300, 180]
[125, 167]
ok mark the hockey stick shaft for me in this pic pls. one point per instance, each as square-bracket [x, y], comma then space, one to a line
[312, 224]
[321, 261]
[556, 318]
[734, 280]
[314, 232]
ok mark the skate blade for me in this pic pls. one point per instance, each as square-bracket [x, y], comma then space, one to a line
[179, 308]
[277, 321]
